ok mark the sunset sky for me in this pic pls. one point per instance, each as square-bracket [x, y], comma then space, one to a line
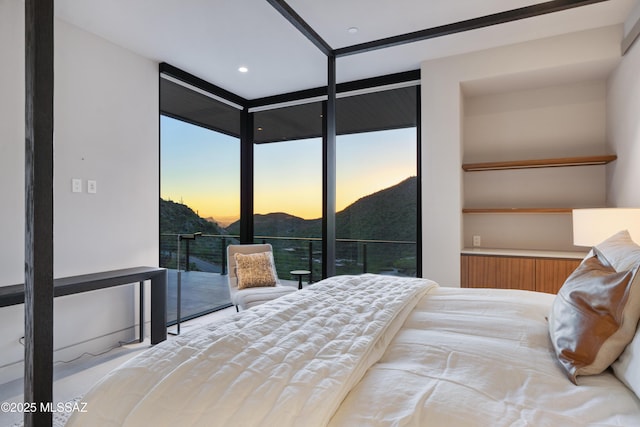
[201, 169]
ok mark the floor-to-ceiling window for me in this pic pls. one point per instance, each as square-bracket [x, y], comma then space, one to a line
[377, 194]
[376, 183]
[200, 196]
[288, 186]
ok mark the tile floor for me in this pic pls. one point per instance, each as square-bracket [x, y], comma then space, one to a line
[73, 379]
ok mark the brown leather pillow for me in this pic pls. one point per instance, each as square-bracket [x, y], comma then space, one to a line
[594, 316]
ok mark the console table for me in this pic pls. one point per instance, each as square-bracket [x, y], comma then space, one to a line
[14, 294]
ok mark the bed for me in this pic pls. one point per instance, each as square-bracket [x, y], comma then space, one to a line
[373, 350]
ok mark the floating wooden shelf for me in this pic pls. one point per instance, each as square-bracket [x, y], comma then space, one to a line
[540, 163]
[517, 210]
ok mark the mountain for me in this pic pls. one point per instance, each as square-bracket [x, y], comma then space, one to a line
[177, 218]
[282, 225]
[206, 254]
[389, 214]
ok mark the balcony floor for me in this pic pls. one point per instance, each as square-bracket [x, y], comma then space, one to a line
[202, 292]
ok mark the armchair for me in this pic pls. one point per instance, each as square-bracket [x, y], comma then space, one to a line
[252, 296]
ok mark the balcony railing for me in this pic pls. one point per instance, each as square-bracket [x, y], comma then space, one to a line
[203, 264]
[208, 253]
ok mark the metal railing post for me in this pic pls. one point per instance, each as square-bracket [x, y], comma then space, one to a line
[224, 256]
[186, 267]
[311, 261]
[364, 257]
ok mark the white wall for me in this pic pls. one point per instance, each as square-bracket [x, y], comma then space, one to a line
[544, 122]
[106, 129]
[442, 129]
[623, 130]
[552, 121]
[11, 143]
[11, 176]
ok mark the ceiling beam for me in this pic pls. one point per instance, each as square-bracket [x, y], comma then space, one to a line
[302, 26]
[467, 25]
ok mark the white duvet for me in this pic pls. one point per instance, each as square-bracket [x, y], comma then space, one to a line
[290, 362]
[365, 351]
[481, 358]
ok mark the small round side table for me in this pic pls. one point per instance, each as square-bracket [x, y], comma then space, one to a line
[300, 274]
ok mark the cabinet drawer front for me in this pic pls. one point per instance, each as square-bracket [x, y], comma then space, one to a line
[552, 273]
[500, 272]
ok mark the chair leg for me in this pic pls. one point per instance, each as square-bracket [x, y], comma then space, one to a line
[237, 309]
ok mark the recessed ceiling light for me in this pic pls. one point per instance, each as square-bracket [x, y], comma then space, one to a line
[352, 30]
[243, 69]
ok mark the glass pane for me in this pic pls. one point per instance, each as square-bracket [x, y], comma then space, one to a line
[288, 203]
[288, 186]
[200, 193]
[376, 202]
[377, 198]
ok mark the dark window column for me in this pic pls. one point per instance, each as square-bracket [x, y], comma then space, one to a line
[246, 177]
[329, 173]
[419, 183]
[38, 284]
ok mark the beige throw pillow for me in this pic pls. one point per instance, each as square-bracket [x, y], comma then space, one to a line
[255, 270]
[595, 314]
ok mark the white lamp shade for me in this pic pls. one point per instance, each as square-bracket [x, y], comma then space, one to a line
[592, 226]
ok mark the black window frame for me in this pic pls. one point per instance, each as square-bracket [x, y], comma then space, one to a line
[246, 114]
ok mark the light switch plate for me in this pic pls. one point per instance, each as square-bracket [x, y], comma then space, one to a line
[92, 186]
[76, 185]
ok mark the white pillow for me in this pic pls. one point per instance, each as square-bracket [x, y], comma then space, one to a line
[621, 251]
[626, 253]
[627, 367]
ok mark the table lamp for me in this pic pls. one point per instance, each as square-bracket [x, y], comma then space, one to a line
[592, 226]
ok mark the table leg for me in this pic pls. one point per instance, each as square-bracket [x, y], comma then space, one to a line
[141, 312]
[159, 308]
